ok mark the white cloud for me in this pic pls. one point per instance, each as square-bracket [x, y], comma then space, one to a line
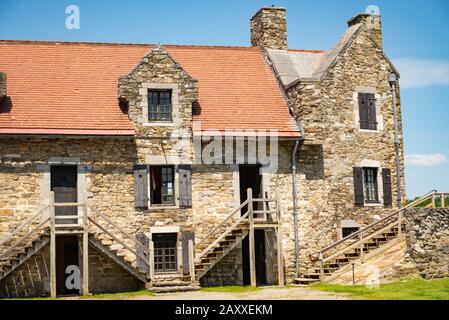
[420, 73]
[428, 160]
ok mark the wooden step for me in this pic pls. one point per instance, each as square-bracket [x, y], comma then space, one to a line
[306, 280]
[169, 289]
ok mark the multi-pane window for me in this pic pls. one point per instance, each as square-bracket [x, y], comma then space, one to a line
[159, 105]
[370, 185]
[164, 252]
[162, 185]
[367, 111]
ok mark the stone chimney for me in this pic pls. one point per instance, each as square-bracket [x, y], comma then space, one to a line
[2, 85]
[269, 28]
[373, 24]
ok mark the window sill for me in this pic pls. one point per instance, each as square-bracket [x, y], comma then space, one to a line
[369, 131]
[373, 204]
[159, 124]
[156, 207]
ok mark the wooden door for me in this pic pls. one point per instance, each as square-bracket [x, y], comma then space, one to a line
[64, 186]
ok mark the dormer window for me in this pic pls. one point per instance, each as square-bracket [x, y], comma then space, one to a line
[159, 105]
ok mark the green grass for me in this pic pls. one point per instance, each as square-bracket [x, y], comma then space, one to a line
[230, 289]
[406, 289]
[118, 296]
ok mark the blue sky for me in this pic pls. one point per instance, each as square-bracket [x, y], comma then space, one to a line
[415, 38]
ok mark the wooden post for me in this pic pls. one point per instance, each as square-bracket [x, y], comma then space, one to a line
[433, 200]
[281, 278]
[443, 200]
[191, 261]
[321, 267]
[252, 249]
[361, 246]
[52, 246]
[400, 224]
[85, 249]
[151, 258]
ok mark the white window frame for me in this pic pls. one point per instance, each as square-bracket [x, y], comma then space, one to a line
[380, 191]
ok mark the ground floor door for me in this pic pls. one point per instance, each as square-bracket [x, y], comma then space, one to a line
[64, 185]
[67, 261]
[249, 176]
[261, 266]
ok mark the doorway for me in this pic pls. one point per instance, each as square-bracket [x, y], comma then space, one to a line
[64, 185]
[66, 255]
[249, 177]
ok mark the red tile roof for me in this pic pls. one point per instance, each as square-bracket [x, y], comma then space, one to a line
[71, 88]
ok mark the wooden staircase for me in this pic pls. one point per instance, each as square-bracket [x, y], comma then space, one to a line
[260, 213]
[359, 245]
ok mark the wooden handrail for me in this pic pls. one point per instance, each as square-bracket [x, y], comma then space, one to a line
[222, 223]
[109, 221]
[25, 237]
[224, 234]
[96, 223]
[386, 218]
[23, 225]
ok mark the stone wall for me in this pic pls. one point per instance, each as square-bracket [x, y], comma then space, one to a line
[105, 276]
[326, 110]
[228, 272]
[428, 241]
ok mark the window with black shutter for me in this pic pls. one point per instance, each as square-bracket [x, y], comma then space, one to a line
[386, 184]
[370, 185]
[159, 105]
[367, 111]
[358, 186]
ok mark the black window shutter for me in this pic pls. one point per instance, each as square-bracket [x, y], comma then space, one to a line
[363, 111]
[140, 186]
[186, 236]
[358, 186]
[371, 105]
[185, 185]
[141, 265]
[386, 183]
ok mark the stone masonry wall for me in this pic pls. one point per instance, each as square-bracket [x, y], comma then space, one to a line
[428, 241]
[327, 112]
[269, 28]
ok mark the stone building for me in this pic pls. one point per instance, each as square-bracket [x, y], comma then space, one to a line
[159, 144]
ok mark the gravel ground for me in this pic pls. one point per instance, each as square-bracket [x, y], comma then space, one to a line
[269, 293]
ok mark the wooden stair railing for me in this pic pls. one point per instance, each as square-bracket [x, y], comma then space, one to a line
[147, 253]
[251, 219]
[220, 227]
[357, 239]
[44, 223]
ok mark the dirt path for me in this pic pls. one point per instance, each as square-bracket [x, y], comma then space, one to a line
[270, 293]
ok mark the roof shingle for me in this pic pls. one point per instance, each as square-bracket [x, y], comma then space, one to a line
[72, 87]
